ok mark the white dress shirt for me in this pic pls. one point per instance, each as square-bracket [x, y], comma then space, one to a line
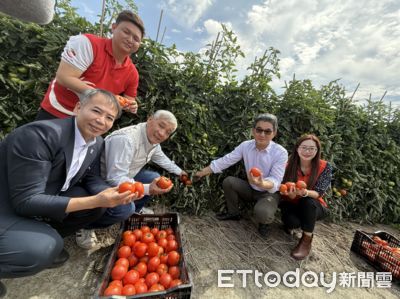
[79, 154]
[271, 161]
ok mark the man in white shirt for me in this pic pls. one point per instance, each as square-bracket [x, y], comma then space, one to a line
[129, 149]
[266, 155]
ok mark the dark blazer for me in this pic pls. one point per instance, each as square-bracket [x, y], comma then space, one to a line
[34, 162]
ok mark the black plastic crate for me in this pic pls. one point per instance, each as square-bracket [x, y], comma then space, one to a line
[161, 221]
[379, 256]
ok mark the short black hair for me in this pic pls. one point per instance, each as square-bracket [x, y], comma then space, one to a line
[268, 118]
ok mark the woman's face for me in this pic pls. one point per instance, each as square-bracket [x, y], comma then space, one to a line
[307, 150]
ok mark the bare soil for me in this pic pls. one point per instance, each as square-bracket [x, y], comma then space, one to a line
[211, 245]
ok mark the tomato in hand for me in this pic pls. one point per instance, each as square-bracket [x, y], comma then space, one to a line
[164, 183]
[290, 185]
[255, 172]
[139, 189]
[301, 185]
[283, 188]
[126, 186]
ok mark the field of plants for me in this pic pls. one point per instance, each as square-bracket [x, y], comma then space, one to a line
[215, 109]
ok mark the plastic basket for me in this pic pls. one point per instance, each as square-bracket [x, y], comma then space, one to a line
[161, 221]
[382, 258]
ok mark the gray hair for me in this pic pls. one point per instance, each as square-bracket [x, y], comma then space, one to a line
[166, 115]
[268, 118]
[88, 94]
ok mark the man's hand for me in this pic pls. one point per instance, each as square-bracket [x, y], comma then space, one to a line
[155, 190]
[110, 198]
[255, 180]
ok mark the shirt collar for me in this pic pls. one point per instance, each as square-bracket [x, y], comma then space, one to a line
[79, 140]
[109, 50]
[267, 149]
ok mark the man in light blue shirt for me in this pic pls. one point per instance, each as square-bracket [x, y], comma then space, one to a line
[264, 154]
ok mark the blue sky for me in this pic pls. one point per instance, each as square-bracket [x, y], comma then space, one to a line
[322, 40]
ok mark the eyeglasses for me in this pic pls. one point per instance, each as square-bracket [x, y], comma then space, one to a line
[266, 132]
[310, 149]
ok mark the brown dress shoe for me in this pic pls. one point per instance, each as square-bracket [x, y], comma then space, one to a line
[303, 248]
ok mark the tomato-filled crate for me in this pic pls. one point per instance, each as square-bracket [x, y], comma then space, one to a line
[380, 249]
[147, 260]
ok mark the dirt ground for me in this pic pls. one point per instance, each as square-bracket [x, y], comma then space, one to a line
[210, 245]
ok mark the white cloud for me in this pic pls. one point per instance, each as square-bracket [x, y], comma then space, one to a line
[175, 30]
[357, 41]
[186, 12]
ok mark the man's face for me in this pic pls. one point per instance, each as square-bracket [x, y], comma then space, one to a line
[95, 117]
[126, 37]
[263, 133]
[158, 130]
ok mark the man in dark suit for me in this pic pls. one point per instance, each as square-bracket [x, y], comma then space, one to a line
[50, 185]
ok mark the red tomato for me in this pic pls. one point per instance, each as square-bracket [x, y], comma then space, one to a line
[161, 234]
[116, 282]
[283, 188]
[173, 258]
[126, 186]
[118, 272]
[164, 183]
[148, 238]
[289, 185]
[127, 232]
[255, 172]
[145, 229]
[171, 245]
[184, 178]
[165, 280]
[162, 242]
[162, 268]
[131, 277]
[129, 239]
[138, 234]
[153, 263]
[156, 288]
[301, 185]
[133, 260]
[140, 249]
[144, 259]
[164, 258]
[171, 237]
[140, 287]
[188, 183]
[154, 231]
[174, 271]
[113, 290]
[141, 267]
[152, 278]
[169, 231]
[128, 289]
[139, 188]
[123, 261]
[175, 283]
[124, 251]
[152, 249]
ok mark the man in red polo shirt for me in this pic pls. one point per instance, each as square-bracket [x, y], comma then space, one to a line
[89, 61]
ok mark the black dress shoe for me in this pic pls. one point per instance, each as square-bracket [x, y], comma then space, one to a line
[263, 230]
[228, 216]
[60, 259]
[3, 289]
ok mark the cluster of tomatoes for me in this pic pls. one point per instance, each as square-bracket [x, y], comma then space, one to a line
[389, 256]
[148, 261]
[289, 185]
[185, 180]
[132, 187]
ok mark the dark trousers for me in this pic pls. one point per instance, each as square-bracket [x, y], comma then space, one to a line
[30, 246]
[303, 214]
[237, 190]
